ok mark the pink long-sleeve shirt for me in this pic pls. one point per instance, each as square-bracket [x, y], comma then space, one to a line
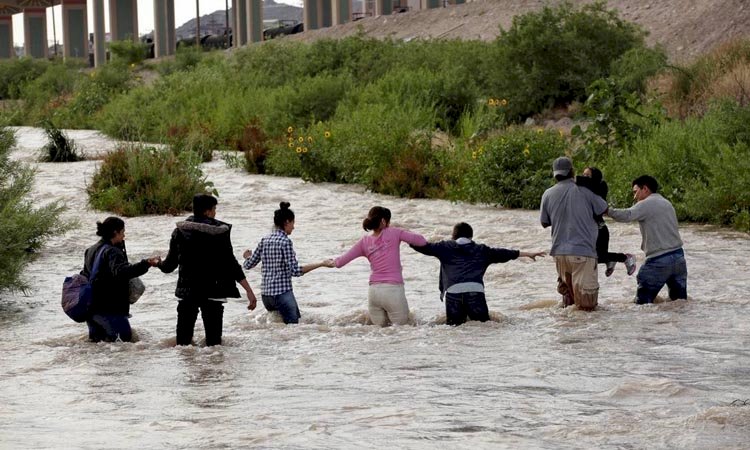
[383, 253]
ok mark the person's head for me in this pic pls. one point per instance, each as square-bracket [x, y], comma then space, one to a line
[462, 230]
[283, 218]
[644, 186]
[204, 205]
[112, 230]
[593, 173]
[562, 168]
[377, 219]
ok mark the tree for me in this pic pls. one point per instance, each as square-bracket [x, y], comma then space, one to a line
[23, 228]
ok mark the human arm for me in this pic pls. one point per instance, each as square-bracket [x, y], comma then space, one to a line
[532, 255]
[254, 257]
[120, 268]
[251, 300]
[544, 217]
[170, 262]
[431, 249]
[634, 213]
[356, 251]
[411, 238]
[310, 267]
[501, 255]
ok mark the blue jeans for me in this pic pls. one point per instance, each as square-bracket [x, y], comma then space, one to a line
[670, 269]
[109, 328]
[285, 304]
[471, 304]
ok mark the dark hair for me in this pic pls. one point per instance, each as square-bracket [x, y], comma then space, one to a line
[564, 177]
[108, 228]
[596, 175]
[283, 215]
[462, 230]
[648, 181]
[376, 214]
[203, 203]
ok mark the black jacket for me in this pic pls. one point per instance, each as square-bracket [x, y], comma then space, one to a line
[202, 248]
[599, 188]
[111, 282]
[463, 263]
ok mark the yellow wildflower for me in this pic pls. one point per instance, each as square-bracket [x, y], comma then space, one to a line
[291, 145]
[526, 151]
[304, 149]
[309, 139]
[290, 130]
[301, 139]
[491, 102]
[503, 102]
[539, 130]
[298, 150]
[327, 134]
[473, 155]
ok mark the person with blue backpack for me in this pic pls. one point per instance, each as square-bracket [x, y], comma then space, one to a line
[106, 266]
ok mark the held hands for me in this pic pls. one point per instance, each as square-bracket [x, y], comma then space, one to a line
[247, 253]
[154, 261]
[533, 255]
[328, 263]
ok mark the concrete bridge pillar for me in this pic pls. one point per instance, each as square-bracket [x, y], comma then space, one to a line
[254, 20]
[6, 37]
[35, 32]
[317, 14]
[239, 23]
[75, 29]
[164, 29]
[429, 4]
[342, 11]
[123, 20]
[383, 7]
[100, 51]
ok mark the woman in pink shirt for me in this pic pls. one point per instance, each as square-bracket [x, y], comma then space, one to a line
[386, 297]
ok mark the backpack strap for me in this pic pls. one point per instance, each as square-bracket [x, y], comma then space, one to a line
[97, 262]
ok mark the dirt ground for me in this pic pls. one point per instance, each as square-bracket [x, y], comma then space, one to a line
[685, 28]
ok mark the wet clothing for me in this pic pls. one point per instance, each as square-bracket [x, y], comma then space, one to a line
[386, 297]
[285, 303]
[661, 241]
[202, 249]
[658, 223]
[383, 253]
[110, 306]
[602, 240]
[462, 266]
[570, 210]
[278, 261]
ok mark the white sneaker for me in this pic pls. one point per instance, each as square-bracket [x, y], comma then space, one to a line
[610, 268]
[630, 263]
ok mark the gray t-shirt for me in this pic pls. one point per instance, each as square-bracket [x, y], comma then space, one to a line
[658, 223]
[570, 210]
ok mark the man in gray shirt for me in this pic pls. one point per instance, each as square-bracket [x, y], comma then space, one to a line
[665, 259]
[570, 210]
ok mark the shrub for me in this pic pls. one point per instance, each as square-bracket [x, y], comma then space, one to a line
[512, 169]
[128, 51]
[16, 73]
[550, 57]
[137, 181]
[59, 148]
[23, 228]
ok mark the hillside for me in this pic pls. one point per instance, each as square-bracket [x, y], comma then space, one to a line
[685, 28]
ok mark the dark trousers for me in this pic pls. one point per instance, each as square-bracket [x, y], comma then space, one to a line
[471, 304]
[602, 248]
[109, 328]
[212, 313]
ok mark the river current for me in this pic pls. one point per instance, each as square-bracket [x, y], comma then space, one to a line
[536, 376]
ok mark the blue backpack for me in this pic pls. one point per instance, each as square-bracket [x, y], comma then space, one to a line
[78, 291]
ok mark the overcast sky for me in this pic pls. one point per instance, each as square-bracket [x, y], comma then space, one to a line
[184, 11]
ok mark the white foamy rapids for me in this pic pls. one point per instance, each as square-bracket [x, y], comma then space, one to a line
[536, 376]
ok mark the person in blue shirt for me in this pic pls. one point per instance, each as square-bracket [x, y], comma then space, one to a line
[463, 263]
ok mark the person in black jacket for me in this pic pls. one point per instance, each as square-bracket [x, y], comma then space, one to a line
[463, 263]
[202, 248]
[593, 180]
[110, 306]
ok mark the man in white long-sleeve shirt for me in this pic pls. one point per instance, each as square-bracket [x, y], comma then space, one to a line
[665, 259]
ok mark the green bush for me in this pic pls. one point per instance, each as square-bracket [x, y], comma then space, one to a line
[550, 57]
[59, 148]
[635, 67]
[23, 228]
[513, 169]
[128, 51]
[137, 181]
[16, 73]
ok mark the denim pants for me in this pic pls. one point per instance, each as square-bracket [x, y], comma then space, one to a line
[212, 313]
[109, 328]
[285, 304]
[670, 269]
[471, 304]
